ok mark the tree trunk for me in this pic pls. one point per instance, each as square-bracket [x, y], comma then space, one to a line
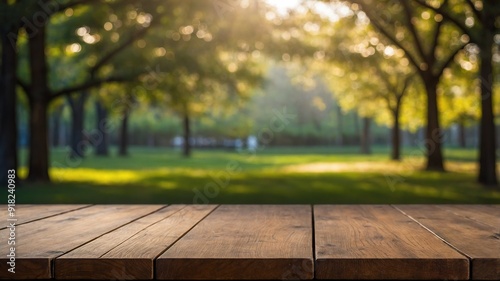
[357, 134]
[461, 134]
[123, 140]
[38, 162]
[187, 135]
[340, 131]
[78, 144]
[365, 137]
[63, 135]
[101, 140]
[8, 118]
[433, 133]
[396, 136]
[487, 135]
[497, 130]
[38, 142]
[56, 126]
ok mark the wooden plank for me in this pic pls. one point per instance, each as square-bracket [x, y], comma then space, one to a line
[128, 253]
[29, 213]
[487, 214]
[475, 235]
[239, 242]
[374, 242]
[38, 242]
[107, 242]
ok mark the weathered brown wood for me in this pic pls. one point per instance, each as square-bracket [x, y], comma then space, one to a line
[487, 214]
[105, 243]
[38, 242]
[238, 242]
[255, 242]
[378, 242]
[473, 233]
[128, 253]
[29, 213]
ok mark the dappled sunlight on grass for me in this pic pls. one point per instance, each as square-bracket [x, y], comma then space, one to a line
[110, 177]
[167, 185]
[380, 166]
[463, 167]
[102, 177]
[337, 167]
[318, 177]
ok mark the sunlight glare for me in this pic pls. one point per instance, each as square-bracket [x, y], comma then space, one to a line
[332, 11]
[282, 6]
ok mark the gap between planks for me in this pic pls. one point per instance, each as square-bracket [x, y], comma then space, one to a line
[133, 255]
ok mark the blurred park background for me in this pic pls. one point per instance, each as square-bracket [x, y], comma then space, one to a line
[250, 101]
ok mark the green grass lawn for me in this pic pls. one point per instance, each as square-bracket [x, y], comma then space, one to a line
[271, 175]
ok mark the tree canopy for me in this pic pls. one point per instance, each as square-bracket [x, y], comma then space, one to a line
[408, 65]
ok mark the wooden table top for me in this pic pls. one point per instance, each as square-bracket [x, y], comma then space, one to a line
[254, 242]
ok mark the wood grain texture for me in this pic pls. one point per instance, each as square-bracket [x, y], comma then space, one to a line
[378, 242]
[238, 242]
[473, 230]
[29, 213]
[486, 214]
[128, 253]
[232, 242]
[38, 242]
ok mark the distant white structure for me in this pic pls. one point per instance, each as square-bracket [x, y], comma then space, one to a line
[252, 143]
[238, 144]
[177, 141]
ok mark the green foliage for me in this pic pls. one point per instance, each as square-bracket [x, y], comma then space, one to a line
[367, 73]
[174, 58]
